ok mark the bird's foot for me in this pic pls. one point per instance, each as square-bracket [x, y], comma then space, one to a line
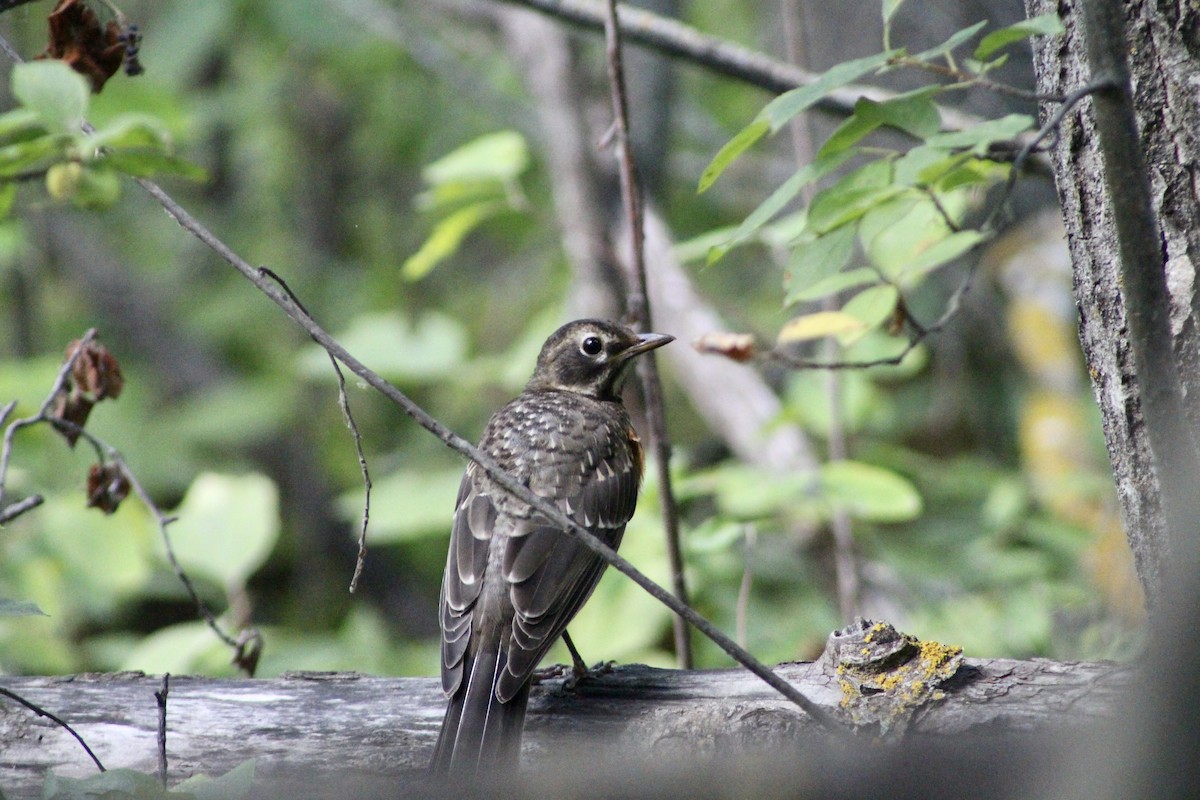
[581, 674]
[550, 673]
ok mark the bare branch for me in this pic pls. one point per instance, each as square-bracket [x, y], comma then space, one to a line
[41, 712]
[639, 312]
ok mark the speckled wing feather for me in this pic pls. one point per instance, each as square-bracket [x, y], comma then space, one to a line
[587, 461]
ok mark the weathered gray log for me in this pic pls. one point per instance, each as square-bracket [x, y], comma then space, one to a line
[312, 729]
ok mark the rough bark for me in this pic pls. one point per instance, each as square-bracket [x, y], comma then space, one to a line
[1164, 54]
[308, 730]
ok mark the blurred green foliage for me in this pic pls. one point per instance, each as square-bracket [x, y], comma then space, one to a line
[387, 171]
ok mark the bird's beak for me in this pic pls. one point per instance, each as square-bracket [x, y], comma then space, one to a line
[646, 342]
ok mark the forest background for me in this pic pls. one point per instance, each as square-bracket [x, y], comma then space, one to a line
[972, 480]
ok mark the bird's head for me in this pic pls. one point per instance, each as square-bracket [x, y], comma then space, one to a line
[591, 357]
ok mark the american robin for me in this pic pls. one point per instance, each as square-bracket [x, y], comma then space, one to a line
[513, 580]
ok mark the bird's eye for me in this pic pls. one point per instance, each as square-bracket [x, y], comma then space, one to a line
[591, 346]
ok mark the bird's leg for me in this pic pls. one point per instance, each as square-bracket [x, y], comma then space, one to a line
[580, 668]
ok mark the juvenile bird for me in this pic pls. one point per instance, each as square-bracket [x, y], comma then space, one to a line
[514, 580]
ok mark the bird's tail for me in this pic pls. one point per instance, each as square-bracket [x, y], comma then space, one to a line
[478, 730]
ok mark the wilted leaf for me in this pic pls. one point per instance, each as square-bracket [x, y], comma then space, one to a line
[107, 486]
[77, 38]
[735, 346]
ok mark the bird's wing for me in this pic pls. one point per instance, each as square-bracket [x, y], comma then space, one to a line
[551, 573]
[470, 537]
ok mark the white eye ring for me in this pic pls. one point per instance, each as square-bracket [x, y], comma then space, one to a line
[591, 346]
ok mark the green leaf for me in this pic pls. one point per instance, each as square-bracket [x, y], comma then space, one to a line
[954, 41]
[978, 137]
[833, 284]
[446, 237]
[804, 176]
[19, 608]
[869, 492]
[56, 93]
[132, 130]
[115, 784]
[781, 110]
[146, 163]
[500, 156]
[1041, 25]
[233, 785]
[20, 123]
[890, 7]
[869, 308]
[731, 150]
[228, 525]
[852, 196]
[815, 260]
[407, 505]
[912, 112]
[31, 155]
[924, 164]
[896, 233]
[184, 648]
[8, 196]
[940, 254]
[425, 350]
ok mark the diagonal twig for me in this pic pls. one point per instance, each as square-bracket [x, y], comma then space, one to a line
[640, 313]
[518, 490]
[41, 712]
[462, 446]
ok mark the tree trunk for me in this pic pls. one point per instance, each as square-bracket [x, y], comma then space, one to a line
[1164, 64]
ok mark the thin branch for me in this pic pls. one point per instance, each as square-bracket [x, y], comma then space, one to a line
[41, 712]
[742, 610]
[462, 446]
[640, 313]
[344, 404]
[1073, 98]
[105, 453]
[971, 79]
[674, 38]
[160, 697]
